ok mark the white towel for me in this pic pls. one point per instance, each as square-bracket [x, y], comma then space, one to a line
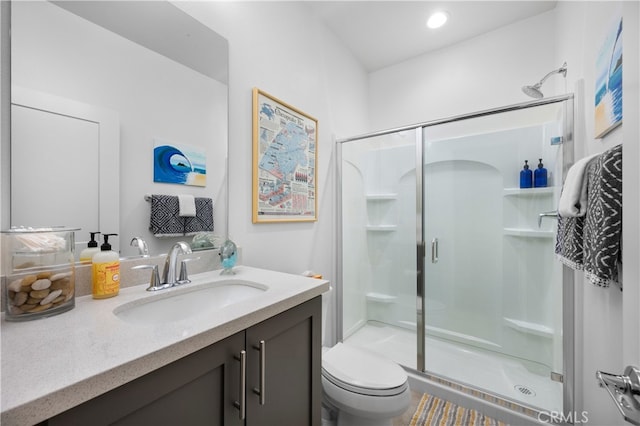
[573, 200]
[187, 205]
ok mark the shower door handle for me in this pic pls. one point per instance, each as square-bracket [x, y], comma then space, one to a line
[434, 250]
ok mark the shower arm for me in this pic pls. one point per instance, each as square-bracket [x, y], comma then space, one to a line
[562, 70]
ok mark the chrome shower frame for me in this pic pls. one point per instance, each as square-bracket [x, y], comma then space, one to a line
[568, 293]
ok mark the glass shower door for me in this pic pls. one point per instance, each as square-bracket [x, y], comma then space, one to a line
[378, 259]
[492, 287]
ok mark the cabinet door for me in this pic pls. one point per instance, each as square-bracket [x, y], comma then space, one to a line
[199, 389]
[292, 352]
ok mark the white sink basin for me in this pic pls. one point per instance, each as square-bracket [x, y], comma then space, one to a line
[184, 302]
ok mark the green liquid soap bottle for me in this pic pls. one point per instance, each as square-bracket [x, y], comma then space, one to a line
[106, 271]
[92, 248]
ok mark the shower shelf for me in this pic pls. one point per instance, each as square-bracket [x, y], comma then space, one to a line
[529, 327]
[381, 298]
[527, 233]
[529, 191]
[381, 197]
[381, 228]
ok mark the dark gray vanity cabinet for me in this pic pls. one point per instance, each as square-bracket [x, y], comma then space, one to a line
[283, 369]
[204, 388]
[198, 389]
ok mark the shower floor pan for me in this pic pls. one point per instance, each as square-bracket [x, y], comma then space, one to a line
[490, 371]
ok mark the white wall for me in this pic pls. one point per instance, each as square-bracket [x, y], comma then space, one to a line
[604, 316]
[484, 72]
[281, 48]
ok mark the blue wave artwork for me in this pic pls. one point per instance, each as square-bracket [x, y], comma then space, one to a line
[179, 164]
[608, 93]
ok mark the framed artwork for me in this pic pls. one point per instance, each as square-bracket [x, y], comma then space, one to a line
[608, 90]
[179, 163]
[285, 156]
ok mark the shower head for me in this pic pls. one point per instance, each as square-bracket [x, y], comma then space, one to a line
[534, 91]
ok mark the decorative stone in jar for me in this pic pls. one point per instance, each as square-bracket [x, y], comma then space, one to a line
[38, 268]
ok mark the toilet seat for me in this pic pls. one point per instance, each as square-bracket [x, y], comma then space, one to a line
[361, 372]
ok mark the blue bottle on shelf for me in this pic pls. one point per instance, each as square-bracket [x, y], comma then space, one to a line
[526, 176]
[540, 176]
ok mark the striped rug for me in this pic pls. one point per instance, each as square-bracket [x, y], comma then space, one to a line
[434, 411]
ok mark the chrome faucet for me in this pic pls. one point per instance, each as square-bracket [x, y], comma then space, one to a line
[169, 274]
[143, 249]
[170, 267]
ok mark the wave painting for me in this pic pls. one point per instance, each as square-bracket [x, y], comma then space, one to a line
[180, 164]
[608, 95]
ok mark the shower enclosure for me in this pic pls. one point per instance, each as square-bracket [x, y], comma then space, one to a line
[447, 266]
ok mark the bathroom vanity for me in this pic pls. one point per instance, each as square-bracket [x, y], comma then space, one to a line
[251, 362]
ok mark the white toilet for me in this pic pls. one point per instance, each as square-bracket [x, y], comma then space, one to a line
[360, 388]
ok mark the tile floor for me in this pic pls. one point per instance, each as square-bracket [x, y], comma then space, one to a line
[405, 419]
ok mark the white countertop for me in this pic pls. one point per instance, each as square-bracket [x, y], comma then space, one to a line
[52, 364]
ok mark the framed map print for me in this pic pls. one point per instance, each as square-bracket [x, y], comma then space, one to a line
[284, 162]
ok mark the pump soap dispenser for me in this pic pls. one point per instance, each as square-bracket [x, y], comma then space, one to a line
[92, 248]
[526, 176]
[106, 271]
[540, 176]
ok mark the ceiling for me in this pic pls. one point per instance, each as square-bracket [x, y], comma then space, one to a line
[383, 33]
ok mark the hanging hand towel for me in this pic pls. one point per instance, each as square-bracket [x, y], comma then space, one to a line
[573, 199]
[603, 223]
[165, 221]
[570, 234]
[569, 241]
[187, 205]
[203, 219]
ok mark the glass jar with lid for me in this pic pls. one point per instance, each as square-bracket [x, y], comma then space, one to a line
[38, 268]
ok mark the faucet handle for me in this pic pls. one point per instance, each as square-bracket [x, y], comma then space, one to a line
[154, 282]
[184, 276]
[141, 244]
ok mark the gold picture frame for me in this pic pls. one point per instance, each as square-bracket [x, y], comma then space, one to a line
[285, 158]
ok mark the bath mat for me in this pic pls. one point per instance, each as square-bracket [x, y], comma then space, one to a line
[434, 411]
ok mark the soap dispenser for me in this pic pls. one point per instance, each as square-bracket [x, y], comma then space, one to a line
[92, 248]
[540, 176]
[526, 176]
[106, 271]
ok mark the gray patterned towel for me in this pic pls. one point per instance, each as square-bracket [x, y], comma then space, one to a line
[603, 224]
[203, 220]
[165, 220]
[593, 242]
[569, 241]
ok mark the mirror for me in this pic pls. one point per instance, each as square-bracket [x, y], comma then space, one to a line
[95, 85]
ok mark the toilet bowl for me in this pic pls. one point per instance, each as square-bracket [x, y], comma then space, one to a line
[360, 388]
[363, 388]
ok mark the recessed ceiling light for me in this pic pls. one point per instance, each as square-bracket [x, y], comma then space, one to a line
[437, 19]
